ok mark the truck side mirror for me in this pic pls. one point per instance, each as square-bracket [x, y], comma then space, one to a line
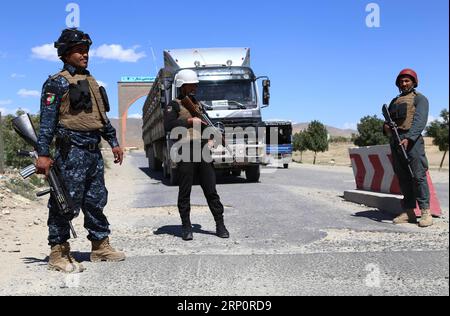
[266, 92]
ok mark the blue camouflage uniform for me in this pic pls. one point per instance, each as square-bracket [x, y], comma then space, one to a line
[82, 166]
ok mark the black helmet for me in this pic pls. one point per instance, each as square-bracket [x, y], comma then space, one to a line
[71, 38]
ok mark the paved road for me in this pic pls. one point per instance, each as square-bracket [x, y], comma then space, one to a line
[292, 234]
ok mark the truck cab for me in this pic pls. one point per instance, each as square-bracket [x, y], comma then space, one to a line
[279, 144]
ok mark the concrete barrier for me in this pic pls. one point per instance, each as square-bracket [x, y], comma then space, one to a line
[376, 182]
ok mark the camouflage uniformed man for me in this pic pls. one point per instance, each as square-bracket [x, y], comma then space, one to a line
[410, 112]
[73, 109]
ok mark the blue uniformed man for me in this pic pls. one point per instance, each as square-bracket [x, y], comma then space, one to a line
[410, 112]
[73, 109]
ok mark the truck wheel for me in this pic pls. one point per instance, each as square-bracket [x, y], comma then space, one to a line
[153, 163]
[253, 173]
[174, 177]
[286, 166]
[236, 173]
[166, 174]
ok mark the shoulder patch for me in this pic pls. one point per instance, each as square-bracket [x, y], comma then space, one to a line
[50, 98]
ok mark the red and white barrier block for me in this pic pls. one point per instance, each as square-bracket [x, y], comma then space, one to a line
[374, 172]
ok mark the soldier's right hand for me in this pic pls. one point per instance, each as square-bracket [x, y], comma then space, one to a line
[43, 165]
[195, 120]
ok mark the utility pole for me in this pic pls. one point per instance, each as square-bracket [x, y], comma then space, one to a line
[2, 150]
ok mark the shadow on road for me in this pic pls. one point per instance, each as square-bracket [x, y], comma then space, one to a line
[79, 256]
[221, 179]
[375, 215]
[176, 231]
[31, 260]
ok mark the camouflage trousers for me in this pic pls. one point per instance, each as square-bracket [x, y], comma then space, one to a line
[83, 174]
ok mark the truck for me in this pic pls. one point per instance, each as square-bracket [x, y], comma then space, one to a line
[229, 94]
[279, 146]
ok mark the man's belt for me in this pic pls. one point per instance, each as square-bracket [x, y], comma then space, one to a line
[90, 147]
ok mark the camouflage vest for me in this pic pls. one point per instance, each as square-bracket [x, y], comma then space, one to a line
[403, 110]
[185, 115]
[84, 120]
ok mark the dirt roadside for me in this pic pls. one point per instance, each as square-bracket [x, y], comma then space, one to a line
[23, 229]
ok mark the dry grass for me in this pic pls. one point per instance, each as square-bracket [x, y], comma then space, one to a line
[339, 154]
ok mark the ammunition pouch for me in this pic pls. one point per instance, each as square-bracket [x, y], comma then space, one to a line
[105, 99]
[80, 96]
[399, 112]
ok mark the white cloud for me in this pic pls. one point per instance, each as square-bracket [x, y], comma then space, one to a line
[102, 83]
[6, 111]
[112, 52]
[353, 126]
[432, 118]
[24, 93]
[135, 116]
[117, 52]
[5, 102]
[45, 52]
[17, 76]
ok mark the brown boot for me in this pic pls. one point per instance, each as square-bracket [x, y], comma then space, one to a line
[61, 260]
[426, 220]
[407, 217]
[102, 251]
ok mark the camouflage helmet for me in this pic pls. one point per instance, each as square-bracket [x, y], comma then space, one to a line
[70, 38]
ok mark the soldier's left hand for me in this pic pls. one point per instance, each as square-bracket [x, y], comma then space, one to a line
[118, 155]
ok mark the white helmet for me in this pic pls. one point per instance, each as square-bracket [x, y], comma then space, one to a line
[186, 77]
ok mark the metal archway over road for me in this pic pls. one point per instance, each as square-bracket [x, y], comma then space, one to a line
[131, 89]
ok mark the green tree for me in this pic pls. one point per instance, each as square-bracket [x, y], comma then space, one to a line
[317, 138]
[301, 143]
[370, 132]
[438, 130]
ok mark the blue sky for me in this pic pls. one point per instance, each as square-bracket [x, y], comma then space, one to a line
[325, 63]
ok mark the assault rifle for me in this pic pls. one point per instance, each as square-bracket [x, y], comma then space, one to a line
[196, 112]
[394, 128]
[24, 127]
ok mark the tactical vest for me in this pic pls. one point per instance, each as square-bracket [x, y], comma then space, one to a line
[403, 110]
[83, 120]
[185, 115]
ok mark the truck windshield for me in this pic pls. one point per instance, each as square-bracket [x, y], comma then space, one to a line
[227, 94]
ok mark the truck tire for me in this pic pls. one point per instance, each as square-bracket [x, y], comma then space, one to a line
[173, 177]
[253, 173]
[236, 173]
[165, 170]
[286, 166]
[153, 163]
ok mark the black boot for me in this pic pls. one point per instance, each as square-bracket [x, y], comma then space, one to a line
[187, 233]
[221, 230]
